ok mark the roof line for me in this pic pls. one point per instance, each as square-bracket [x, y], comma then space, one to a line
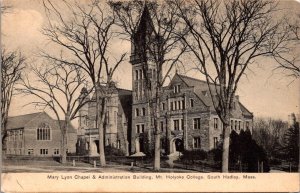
[26, 114]
[245, 108]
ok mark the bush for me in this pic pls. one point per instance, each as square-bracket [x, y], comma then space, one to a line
[193, 155]
[112, 151]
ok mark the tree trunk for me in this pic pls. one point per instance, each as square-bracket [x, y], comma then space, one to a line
[157, 151]
[225, 153]
[64, 138]
[99, 119]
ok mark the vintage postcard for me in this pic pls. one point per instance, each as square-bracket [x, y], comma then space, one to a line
[150, 96]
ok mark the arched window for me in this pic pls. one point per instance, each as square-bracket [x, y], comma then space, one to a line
[43, 132]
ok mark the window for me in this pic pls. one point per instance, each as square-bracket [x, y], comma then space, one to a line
[143, 128]
[137, 112]
[56, 151]
[179, 105]
[192, 102]
[176, 88]
[118, 144]
[162, 126]
[20, 134]
[182, 124]
[197, 142]
[231, 125]
[43, 151]
[247, 125]
[163, 106]
[30, 151]
[171, 104]
[43, 132]
[183, 104]
[176, 124]
[235, 125]
[175, 103]
[136, 74]
[216, 120]
[137, 128]
[197, 123]
[144, 111]
[215, 142]
[141, 74]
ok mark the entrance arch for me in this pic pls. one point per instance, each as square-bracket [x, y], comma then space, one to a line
[176, 145]
[139, 144]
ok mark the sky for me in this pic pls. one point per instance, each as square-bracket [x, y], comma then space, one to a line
[263, 91]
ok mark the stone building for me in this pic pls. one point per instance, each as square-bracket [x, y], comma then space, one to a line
[188, 119]
[37, 134]
[117, 122]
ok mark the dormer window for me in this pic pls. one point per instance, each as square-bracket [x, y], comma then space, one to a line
[176, 88]
[192, 102]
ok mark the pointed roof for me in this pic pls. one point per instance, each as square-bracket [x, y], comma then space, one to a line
[145, 22]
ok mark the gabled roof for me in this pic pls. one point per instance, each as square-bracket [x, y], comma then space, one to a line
[200, 86]
[21, 120]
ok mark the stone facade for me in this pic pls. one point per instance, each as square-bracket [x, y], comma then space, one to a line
[37, 134]
[187, 117]
[117, 123]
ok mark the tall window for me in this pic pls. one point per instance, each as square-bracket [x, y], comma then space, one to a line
[163, 106]
[247, 124]
[136, 74]
[196, 123]
[137, 112]
[143, 128]
[44, 132]
[235, 125]
[171, 104]
[231, 125]
[137, 128]
[183, 104]
[215, 142]
[176, 124]
[192, 102]
[197, 142]
[44, 151]
[162, 126]
[216, 120]
[144, 111]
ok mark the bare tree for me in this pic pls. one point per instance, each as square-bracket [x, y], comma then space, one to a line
[289, 60]
[269, 134]
[12, 64]
[85, 32]
[159, 50]
[56, 87]
[225, 38]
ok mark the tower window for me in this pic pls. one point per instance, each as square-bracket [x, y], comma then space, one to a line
[137, 112]
[176, 124]
[144, 111]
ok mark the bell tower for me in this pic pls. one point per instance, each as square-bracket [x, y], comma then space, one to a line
[144, 43]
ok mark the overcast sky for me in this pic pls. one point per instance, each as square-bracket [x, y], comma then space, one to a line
[264, 92]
